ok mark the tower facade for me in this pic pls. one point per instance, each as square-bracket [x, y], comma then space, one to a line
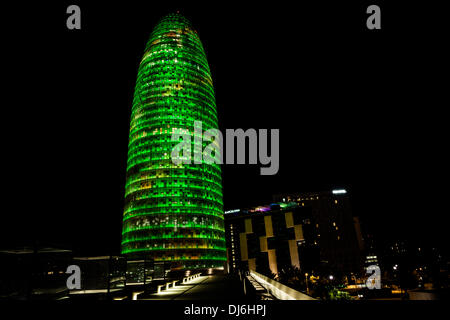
[173, 212]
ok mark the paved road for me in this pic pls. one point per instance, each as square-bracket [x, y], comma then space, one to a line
[214, 287]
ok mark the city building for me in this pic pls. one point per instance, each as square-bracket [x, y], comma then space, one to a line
[314, 232]
[34, 273]
[173, 212]
[266, 239]
[340, 238]
[41, 273]
[101, 277]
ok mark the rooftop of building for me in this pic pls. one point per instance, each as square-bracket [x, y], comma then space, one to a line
[29, 250]
[289, 201]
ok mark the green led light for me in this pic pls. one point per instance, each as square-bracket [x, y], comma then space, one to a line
[172, 212]
[171, 226]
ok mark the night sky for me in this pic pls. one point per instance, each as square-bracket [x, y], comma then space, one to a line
[356, 109]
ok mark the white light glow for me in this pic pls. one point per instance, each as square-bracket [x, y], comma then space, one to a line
[232, 211]
[135, 294]
[339, 191]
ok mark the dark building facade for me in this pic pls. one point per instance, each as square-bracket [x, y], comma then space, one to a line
[339, 233]
[268, 238]
[310, 231]
[34, 273]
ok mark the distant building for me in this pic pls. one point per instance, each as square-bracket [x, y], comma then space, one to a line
[101, 274]
[34, 273]
[310, 231]
[340, 238]
[40, 274]
[268, 238]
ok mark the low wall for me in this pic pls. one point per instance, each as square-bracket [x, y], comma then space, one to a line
[279, 290]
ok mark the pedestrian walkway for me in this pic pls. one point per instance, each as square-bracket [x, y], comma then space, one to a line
[209, 287]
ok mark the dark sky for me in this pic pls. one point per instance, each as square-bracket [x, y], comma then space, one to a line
[358, 109]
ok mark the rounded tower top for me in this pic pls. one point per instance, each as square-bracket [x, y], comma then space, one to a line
[172, 25]
[174, 33]
[175, 18]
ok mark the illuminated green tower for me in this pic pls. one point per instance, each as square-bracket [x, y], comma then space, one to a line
[172, 212]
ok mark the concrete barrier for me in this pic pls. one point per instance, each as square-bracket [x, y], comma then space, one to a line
[135, 294]
[279, 290]
[190, 278]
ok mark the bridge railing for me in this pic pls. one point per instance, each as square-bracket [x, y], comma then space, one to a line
[279, 290]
